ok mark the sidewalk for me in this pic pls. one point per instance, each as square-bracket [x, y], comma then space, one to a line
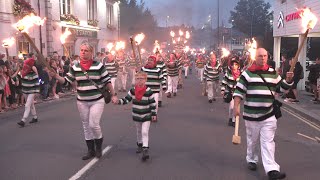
[305, 107]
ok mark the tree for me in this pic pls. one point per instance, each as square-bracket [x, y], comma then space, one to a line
[252, 17]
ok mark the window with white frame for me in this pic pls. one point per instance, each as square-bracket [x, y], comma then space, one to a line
[65, 6]
[110, 14]
[92, 9]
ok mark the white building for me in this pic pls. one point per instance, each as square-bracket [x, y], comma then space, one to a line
[102, 14]
[287, 23]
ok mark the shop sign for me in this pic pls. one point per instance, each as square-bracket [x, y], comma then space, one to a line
[85, 33]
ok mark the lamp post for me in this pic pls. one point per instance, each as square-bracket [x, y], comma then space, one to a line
[231, 34]
[167, 19]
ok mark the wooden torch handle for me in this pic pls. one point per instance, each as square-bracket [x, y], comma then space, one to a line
[236, 129]
[295, 59]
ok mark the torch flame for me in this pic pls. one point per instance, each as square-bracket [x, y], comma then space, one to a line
[172, 34]
[8, 42]
[186, 49]
[253, 49]
[225, 52]
[120, 45]
[187, 35]
[113, 52]
[110, 46]
[309, 20]
[156, 46]
[65, 35]
[180, 32]
[143, 51]
[139, 38]
[23, 25]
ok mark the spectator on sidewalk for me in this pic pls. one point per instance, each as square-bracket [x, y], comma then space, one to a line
[2, 55]
[313, 76]
[2, 85]
[292, 95]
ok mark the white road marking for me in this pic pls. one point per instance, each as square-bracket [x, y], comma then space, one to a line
[89, 165]
[310, 123]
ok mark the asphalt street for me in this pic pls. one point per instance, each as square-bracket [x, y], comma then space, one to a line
[191, 141]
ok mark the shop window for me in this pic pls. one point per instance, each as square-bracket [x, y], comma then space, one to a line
[24, 47]
[92, 9]
[110, 16]
[65, 6]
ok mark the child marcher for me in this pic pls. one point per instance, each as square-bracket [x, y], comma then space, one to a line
[143, 111]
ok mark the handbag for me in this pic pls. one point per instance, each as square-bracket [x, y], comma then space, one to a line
[275, 104]
[104, 91]
[227, 96]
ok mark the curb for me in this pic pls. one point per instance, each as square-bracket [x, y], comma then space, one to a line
[302, 111]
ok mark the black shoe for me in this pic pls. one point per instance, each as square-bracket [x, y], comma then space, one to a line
[33, 120]
[169, 95]
[139, 148]
[98, 143]
[21, 123]
[230, 122]
[174, 94]
[210, 100]
[252, 166]
[145, 154]
[275, 175]
[214, 99]
[159, 103]
[91, 152]
[185, 77]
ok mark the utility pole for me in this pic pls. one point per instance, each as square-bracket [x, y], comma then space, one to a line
[40, 34]
[218, 27]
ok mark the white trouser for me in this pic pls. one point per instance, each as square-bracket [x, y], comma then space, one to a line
[90, 115]
[186, 69]
[113, 81]
[132, 72]
[212, 87]
[172, 84]
[156, 98]
[266, 129]
[200, 73]
[122, 80]
[160, 94]
[143, 133]
[29, 106]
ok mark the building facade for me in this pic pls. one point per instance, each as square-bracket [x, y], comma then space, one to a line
[93, 21]
[287, 23]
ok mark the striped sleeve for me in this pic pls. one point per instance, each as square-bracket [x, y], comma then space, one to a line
[126, 99]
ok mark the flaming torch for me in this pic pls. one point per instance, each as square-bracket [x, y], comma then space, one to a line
[23, 25]
[252, 50]
[172, 34]
[187, 35]
[110, 46]
[133, 51]
[225, 53]
[8, 43]
[156, 47]
[63, 38]
[120, 45]
[309, 20]
[138, 40]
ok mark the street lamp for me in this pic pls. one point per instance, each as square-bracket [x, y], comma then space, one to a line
[167, 21]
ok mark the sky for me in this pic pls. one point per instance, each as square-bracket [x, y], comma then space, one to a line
[191, 12]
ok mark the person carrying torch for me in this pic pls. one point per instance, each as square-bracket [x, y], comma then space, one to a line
[258, 86]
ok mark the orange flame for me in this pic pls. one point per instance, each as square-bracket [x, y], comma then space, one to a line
[23, 25]
[309, 20]
[187, 35]
[156, 47]
[139, 38]
[180, 32]
[65, 35]
[185, 41]
[172, 34]
[110, 46]
[113, 52]
[253, 49]
[143, 51]
[187, 48]
[120, 45]
[8, 42]
[225, 52]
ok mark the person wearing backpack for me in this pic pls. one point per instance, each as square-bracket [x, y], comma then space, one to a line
[292, 95]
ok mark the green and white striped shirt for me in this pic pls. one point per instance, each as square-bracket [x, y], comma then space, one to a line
[163, 68]
[258, 98]
[30, 83]
[141, 110]
[85, 90]
[212, 73]
[154, 79]
[228, 82]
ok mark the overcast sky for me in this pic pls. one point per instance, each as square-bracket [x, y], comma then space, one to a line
[191, 12]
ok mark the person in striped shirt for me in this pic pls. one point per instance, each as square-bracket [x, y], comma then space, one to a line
[200, 62]
[211, 75]
[258, 111]
[90, 101]
[163, 68]
[122, 72]
[228, 85]
[112, 67]
[155, 79]
[30, 86]
[173, 69]
[143, 111]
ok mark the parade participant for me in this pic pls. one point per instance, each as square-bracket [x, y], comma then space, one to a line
[179, 57]
[112, 67]
[259, 112]
[162, 66]
[132, 67]
[228, 85]
[200, 62]
[30, 86]
[186, 64]
[2, 85]
[90, 101]
[122, 72]
[211, 74]
[143, 111]
[173, 69]
[155, 79]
